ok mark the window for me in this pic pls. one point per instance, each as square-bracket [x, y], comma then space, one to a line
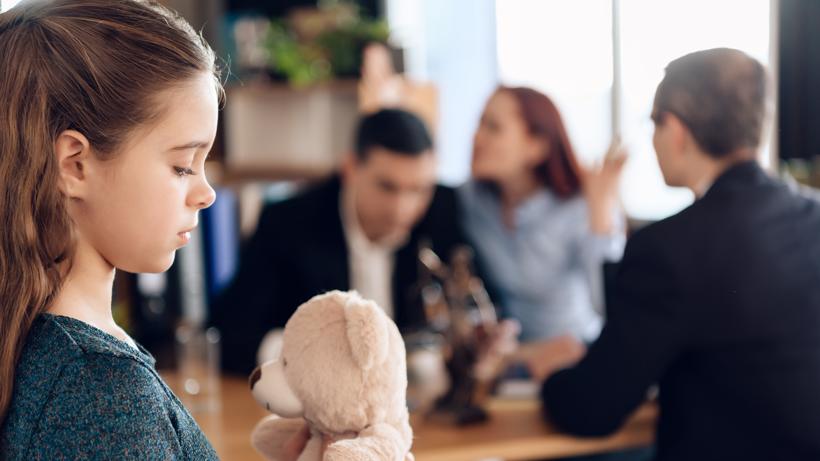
[7, 4]
[564, 49]
[568, 50]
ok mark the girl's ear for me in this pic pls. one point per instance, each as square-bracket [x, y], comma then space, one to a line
[73, 153]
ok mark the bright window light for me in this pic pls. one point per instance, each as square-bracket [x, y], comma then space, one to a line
[7, 4]
[565, 48]
[652, 34]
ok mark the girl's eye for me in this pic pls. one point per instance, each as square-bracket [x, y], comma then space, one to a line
[182, 171]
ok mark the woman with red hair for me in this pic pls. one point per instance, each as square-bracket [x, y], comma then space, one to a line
[541, 224]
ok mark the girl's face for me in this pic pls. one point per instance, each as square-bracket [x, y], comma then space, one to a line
[138, 208]
[503, 148]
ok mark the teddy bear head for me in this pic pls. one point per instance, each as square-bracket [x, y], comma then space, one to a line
[342, 368]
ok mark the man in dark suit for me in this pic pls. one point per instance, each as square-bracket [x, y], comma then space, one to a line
[360, 230]
[720, 304]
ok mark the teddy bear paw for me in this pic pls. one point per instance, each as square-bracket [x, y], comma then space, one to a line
[342, 451]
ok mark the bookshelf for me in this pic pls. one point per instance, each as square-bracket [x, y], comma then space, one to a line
[273, 131]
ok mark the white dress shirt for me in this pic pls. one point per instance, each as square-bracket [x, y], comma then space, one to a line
[371, 263]
[371, 267]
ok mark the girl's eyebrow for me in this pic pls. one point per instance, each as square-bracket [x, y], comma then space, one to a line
[191, 145]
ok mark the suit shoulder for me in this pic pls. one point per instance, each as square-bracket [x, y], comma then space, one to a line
[668, 235]
[315, 203]
[319, 193]
[444, 199]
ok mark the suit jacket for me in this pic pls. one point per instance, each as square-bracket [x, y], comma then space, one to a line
[299, 250]
[719, 305]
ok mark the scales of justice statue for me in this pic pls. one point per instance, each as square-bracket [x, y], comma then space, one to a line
[473, 344]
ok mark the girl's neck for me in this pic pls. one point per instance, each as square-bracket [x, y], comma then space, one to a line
[87, 290]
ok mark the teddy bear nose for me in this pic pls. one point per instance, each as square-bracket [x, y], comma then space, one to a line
[255, 376]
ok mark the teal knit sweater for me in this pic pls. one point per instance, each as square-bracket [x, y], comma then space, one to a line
[81, 393]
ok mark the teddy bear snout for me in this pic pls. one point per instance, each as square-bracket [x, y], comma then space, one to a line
[255, 376]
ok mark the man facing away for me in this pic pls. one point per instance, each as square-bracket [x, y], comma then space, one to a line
[719, 304]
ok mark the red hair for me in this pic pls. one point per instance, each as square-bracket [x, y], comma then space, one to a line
[560, 170]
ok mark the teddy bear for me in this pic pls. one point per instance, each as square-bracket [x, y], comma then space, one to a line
[342, 370]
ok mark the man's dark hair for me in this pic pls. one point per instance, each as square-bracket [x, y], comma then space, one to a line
[720, 95]
[393, 129]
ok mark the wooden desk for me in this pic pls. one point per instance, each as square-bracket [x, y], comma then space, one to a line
[515, 431]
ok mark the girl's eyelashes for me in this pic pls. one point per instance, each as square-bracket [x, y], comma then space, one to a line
[183, 171]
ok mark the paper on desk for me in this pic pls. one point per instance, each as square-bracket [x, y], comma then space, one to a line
[518, 389]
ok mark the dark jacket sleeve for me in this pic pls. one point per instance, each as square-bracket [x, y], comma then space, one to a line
[645, 331]
[246, 310]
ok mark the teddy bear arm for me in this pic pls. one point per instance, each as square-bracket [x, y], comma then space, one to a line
[272, 433]
[380, 442]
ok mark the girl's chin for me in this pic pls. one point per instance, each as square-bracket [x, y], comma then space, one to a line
[150, 267]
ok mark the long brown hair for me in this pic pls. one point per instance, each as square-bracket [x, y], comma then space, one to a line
[560, 171]
[95, 66]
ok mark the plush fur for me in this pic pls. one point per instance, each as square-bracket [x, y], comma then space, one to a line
[343, 370]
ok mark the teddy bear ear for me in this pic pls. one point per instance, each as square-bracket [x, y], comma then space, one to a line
[367, 331]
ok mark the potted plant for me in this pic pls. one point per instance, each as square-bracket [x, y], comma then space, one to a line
[313, 45]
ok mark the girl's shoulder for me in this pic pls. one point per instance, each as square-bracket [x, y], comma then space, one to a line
[56, 343]
[67, 360]
[75, 381]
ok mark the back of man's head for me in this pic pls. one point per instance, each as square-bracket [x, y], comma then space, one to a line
[396, 130]
[720, 95]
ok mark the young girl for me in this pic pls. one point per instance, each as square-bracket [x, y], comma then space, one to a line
[109, 108]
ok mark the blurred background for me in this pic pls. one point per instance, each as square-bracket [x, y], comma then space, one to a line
[295, 91]
[298, 76]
